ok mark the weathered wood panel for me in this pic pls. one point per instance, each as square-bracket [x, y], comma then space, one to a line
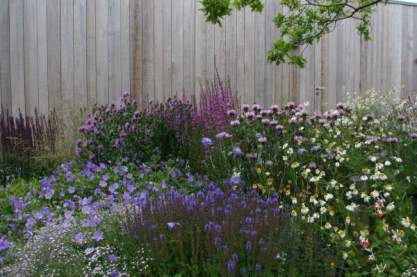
[69, 54]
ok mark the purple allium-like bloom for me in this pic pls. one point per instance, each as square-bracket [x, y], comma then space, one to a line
[274, 108]
[223, 135]
[235, 123]
[262, 140]
[97, 236]
[206, 141]
[79, 238]
[231, 113]
[258, 266]
[265, 121]
[279, 128]
[250, 115]
[391, 140]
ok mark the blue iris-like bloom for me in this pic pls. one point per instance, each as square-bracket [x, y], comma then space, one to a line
[237, 151]
[206, 141]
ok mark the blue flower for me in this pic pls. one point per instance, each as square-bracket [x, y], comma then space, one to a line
[237, 151]
[171, 225]
[79, 238]
[206, 141]
[97, 235]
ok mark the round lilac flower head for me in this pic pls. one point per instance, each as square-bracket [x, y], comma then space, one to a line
[258, 266]
[207, 142]
[265, 121]
[312, 165]
[125, 94]
[235, 123]
[231, 113]
[237, 151]
[265, 113]
[279, 128]
[413, 135]
[223, 135]
[273, 123]
[250, 115]
[256, 107]
[245, 107]
[274, 108]
[392, 140]
[290, 105]
[262, 140]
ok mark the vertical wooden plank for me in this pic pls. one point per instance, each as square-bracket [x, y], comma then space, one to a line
[149, 51]
[260, 59]
[67, 60]
[136, 50]
[54, 56]
[80, 54]
[220, 50]
[17, 57]
[211, 52]
[240, 56]
[42, 70]
[159, 50]
[189, 47]
[201, 69]
[5, 82]
[114, 64]
[102, 69]
[269, 40]
[91, 53]
[231, 52]
[124, 44]
[396, 47]
[249, 95]
[167, 50]
[31, 56]
[177, 47]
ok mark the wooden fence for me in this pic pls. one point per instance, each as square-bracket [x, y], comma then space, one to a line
[68, 54]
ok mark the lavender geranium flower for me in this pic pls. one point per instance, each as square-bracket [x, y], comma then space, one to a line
[97, 236]
[79, 238]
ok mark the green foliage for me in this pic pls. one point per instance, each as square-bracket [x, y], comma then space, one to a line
[303, 22]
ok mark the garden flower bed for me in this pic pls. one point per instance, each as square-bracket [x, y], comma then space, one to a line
[214, 189]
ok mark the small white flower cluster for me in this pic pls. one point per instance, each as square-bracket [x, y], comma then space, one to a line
[46, 254]
[411, 272]
[102, 261]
